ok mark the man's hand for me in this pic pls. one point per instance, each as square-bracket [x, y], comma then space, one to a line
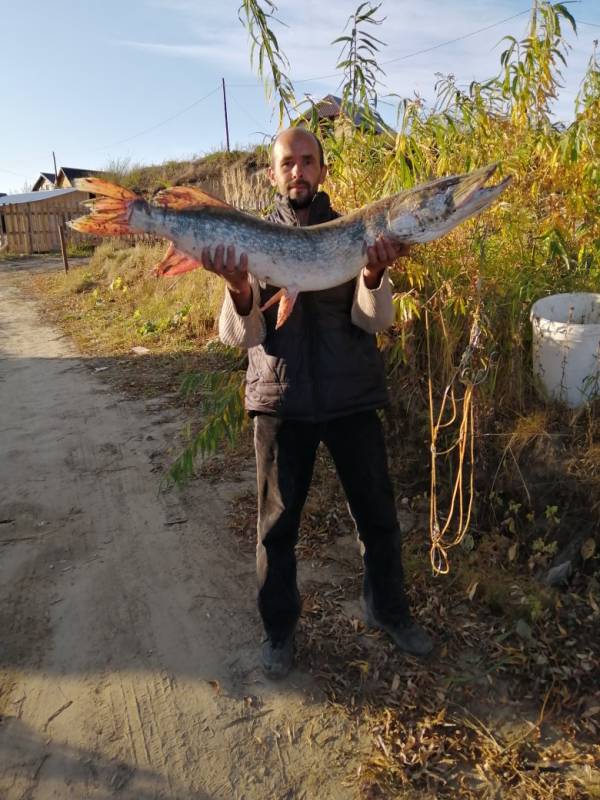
[234, 273]
[382, 254]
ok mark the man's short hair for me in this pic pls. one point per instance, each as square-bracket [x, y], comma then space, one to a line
[304, 130]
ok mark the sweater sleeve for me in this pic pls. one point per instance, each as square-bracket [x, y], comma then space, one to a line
[236, 330]
[373, 309]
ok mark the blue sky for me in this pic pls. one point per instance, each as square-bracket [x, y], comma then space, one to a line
[97, 81]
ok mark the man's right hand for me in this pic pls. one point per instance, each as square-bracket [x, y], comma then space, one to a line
[235, 274]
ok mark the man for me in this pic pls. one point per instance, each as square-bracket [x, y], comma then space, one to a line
[318, 378]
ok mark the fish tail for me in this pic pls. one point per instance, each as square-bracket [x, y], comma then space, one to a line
[110, 209]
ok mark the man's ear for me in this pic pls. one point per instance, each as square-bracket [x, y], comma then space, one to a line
[323, 173]
[271, 176]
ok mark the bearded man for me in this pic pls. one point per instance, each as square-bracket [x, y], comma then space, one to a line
[318, 378]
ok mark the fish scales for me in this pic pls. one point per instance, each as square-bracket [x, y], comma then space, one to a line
[297, 259]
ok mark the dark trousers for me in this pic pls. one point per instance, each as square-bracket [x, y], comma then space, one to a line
[285, 457]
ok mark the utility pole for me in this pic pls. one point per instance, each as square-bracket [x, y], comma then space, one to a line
[225, 108]
[55, 170]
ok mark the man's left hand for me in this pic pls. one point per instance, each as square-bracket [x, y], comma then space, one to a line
[380, 255]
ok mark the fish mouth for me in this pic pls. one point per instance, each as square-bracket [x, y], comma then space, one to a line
[467, 186]
[431, 211]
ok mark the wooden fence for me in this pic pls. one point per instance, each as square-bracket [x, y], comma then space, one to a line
[33, 227]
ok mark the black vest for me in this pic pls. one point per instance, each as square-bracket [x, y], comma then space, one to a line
[318, 365]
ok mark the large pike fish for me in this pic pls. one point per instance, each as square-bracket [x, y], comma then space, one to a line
[295, 259]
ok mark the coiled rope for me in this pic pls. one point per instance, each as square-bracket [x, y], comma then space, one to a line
[463, 488]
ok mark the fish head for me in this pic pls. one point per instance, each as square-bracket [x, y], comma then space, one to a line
[430, 211]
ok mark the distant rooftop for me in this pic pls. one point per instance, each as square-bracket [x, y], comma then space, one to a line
[33, 197]
[330, 107]
[74, 172]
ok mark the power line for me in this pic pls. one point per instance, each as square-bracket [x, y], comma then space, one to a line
[458, 38]
[159, 124]
[16, 174]
[241, 107]
[410, 55]
[592, 24]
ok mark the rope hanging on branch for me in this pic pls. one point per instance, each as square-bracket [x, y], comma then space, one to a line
[463, 488]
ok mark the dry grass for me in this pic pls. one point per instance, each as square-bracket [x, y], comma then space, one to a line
[527, 428]
[507, 705]
[115, 302]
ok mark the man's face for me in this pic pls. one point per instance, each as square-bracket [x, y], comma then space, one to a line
[295, 168]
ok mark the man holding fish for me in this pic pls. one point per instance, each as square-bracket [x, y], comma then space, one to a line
[318, 378]
[306, 297]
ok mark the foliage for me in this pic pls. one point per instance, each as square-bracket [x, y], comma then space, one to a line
[544, 236]
[358, 60]
[258, 17]
[221, 405]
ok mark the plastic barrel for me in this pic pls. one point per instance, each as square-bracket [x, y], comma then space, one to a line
[566, 347]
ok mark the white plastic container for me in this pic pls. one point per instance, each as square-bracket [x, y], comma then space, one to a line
[566, 347]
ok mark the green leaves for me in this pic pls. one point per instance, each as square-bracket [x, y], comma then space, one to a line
[222, 405]
[530, 72]
[272, 61]
[358, 60]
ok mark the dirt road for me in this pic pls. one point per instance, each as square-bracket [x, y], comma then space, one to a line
[128, 649]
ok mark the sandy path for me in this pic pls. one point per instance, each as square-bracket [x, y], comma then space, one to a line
[119, 607]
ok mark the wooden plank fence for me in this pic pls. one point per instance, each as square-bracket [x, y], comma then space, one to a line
[33, 227]
[28, 230]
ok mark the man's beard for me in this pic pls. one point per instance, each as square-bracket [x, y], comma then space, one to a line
[298, 203]
[301, 202]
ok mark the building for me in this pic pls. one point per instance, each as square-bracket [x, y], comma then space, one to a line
[64, 180]
[67, 175]
[45, 182]
[29, 222]
[329, 111]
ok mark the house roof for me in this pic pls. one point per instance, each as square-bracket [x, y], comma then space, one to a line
[33, 197]
[330, 107]
[74, 172]
[44, 176]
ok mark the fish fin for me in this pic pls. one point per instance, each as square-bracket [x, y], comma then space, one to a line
[175, 263]
[110, 210]
[286, 299]
[90, 224]
[286, 306]
[273, 299]
[104, 188]
[181, 197]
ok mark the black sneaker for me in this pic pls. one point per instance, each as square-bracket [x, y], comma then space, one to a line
[277, 657]
[408, 636]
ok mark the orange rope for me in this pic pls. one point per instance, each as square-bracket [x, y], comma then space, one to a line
[465, 440]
